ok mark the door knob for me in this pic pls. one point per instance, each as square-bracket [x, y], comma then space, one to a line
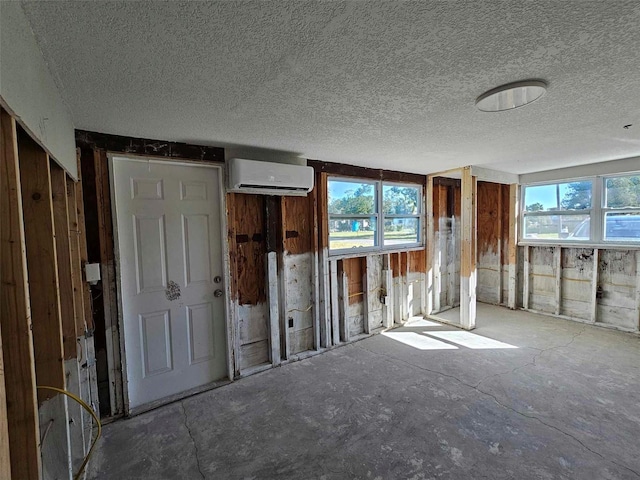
[218, 293]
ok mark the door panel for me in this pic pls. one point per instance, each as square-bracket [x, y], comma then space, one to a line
[169, 239]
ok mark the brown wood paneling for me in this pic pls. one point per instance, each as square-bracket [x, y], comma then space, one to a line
[248, 247]
[342, 169]
[42, 264]
[63, 254]
[489, 217]
[417, 261]
[15, 316]
[297, 227]
[504, 219]
[440, 194]
[354, 269]
[145, 146]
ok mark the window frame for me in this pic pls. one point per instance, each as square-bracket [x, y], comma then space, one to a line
[597, 214]
[379, 216]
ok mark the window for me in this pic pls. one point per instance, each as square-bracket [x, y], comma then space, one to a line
[357, 209]
[555, 211]
[622, 209]
[596, 210]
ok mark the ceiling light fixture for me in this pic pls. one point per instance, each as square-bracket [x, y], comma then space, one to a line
[510, 96]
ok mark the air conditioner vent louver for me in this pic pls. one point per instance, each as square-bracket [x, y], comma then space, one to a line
[268, 178]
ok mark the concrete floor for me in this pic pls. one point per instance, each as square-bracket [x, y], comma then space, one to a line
[409, 404]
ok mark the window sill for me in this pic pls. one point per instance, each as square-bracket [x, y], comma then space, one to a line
[570, 244]
[371, 253]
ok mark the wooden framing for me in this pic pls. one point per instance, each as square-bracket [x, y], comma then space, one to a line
[323, 252]
[526, 274]
[274, 316]
[315, 269]
[335, 303]
[594, 285]
[468, 272]
[512, 254]
[82, 246]
[108, 276]
[557, 266]
[42, 265]
[76, 261]
[15, 314]
[431, 264]
[63, 253]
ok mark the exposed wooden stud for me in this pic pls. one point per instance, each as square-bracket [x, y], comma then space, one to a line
[557, 266]
[388, 291]
[364, 172]
[468, 252]
[431, 263]
[42, 265]
[335, 303]
[323, 251]
[107, 270]
[84, 255]
[315, 268]
[594, 286]
[76, 263]
[499, 251]
[344, 309]
[526, 277]
[15, 315]
[512, 261]
[366, 321]
[274, 316]
[63, 253]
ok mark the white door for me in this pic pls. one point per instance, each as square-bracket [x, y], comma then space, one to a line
[170, 258]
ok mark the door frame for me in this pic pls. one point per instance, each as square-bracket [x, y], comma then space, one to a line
[224, 242]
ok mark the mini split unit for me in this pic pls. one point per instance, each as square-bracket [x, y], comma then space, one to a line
[268, 178]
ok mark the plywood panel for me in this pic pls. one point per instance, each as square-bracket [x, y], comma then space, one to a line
[248, 248]
[42, 265]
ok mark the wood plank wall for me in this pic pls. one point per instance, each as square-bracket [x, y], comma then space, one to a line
[42, 265]
[15, 316]
[42, 303]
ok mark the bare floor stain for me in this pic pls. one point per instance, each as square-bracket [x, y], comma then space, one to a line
[562, 404]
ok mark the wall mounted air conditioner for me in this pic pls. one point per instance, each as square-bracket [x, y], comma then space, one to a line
[268, 178]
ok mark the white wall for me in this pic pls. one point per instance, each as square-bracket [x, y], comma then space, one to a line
[28, 90]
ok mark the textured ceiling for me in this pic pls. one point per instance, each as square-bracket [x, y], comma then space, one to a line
[379, 84]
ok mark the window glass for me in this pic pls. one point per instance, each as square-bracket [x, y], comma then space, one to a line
[622, 192]
[560, 196]
[347, 233]
[351, 198]
[399, 231]
[622, 227]
[547, 227]
[400, 200]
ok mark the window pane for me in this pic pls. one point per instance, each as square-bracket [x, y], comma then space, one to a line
[399, 231]
[547, 227]
[561, 196]
[352, 233]
[400, 200]
[623, 192]
[622, 227]
[351, 198]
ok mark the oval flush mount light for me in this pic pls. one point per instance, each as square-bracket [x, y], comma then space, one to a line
[510, 96]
